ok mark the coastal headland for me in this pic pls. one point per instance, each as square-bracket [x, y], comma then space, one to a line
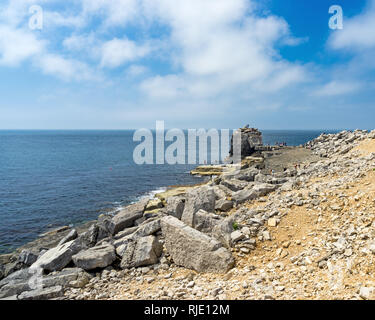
[284, 223]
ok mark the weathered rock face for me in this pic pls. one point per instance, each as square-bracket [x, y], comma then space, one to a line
[42, 294]
[224, 205]
[87, 239]
[65, 278]
[57, 258]
[222, 231]
[175, 207]
[147, 229]
[250, 139]
[103, 229]
[96, 257]
[12, 267]
[72, 235]
[154, 204]
[27, 280]
[197, 199]
[234, 184]
[127, 217]
[143, 230]
[258, 190]
[15, 283]
[205, 221]
[27, 257]
[264, 189]
[244, 195]
[247, 174]
[2, 271]
[192, 249]
[142, 252]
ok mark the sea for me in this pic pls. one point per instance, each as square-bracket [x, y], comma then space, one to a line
[50, 179]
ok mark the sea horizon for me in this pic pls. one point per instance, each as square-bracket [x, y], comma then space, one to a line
[170, 128]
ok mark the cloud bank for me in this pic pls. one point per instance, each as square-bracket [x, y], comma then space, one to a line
[168, 59]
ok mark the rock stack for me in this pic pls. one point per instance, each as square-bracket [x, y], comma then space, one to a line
[249, 139]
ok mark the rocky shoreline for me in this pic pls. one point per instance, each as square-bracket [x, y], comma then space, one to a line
[211, 241]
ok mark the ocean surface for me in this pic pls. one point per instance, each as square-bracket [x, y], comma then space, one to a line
[55, 178]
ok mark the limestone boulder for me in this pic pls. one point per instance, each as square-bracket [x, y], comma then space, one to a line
[126, 217]
[30, 279]
[87, 239]
[65, 278]
[154, 204]
[104, 223]
[247, 174]
[223, 205]
[264, 188]
[175, 206]
[72, 235]
[205, 221]
[193, 249]
[222, 231]
[96, 257]
[244, 195]
[258, 190]
[142, 252]
[15, 283]
[57, 258]
[27, 257]
[197, 199]
[42, 294]
[146, 229]
[2, 271]
[234, 184]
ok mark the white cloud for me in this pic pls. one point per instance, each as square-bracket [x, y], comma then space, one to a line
[17, 45]
[57, 19]
[66, 69]
[166, 87]
[358, 32]
[336, 88]
[119, 51]
[357, 37]
[78, 42]
[12, 13]
[136, 70]
[215, 45]
[221, 46]
[116, 12]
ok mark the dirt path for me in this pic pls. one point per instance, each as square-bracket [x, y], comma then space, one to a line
[287, 157]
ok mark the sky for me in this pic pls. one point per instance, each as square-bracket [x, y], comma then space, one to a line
[124, 64]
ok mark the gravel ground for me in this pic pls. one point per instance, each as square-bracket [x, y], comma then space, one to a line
[321, 244]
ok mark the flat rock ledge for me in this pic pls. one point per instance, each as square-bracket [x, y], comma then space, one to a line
[56, 258]
[97, 257]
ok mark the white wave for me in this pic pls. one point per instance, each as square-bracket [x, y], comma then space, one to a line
[151, 194]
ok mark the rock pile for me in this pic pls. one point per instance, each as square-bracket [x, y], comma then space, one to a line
[207, 229]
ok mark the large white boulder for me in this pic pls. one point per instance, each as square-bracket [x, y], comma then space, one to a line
[96, 257]
[193, 249]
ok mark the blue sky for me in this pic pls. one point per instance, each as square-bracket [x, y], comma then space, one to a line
[121, 64]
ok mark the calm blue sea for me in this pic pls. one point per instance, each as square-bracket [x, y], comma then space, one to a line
[55, 178]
